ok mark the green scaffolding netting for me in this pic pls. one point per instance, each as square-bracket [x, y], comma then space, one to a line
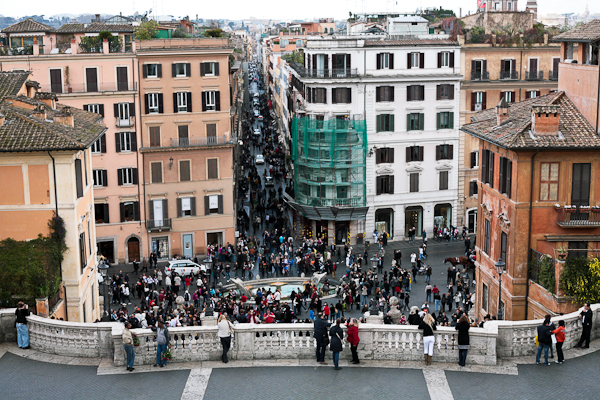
[329, 161]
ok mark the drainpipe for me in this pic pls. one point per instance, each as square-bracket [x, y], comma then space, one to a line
[529, 233]
[55, 189]
[137, 153]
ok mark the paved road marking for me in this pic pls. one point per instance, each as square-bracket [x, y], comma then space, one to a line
[437, 384]
[196, 384]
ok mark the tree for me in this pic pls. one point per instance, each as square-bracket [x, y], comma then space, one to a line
[214, 33]
[146, 30]
[180, 33]
[580, 279]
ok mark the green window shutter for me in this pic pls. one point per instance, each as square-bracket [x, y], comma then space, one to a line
[451, 120]
[438, 121]
[408, 122]
[378, 123]
[421, 122]
[392, 123]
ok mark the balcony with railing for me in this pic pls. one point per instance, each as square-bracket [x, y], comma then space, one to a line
[125, 122]
[324, 73]
[199, 141]
[534, 76]
[579, 217]
[158, 224]
[480, 76]
[553, 75]
[509, 75]
[90, 87]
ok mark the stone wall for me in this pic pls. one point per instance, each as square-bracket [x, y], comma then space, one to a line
[8, 332]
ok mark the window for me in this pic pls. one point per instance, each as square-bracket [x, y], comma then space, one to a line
[184, 170]
[385, 184]
[95, 108]
[445, 120]
[56, 81]
[414, 182]
[503, 243]
[416, 60]
[155, 136]
[186, 207]
[213, 204]
[508, 96]
[82, 252]
[211, 101]
[152, 71]
[319, 95]
[211, 131]
[130, 211]
[158, 211]
[508, 69]
[99, 177]
[487, 167]
[474, 159]
[123, 113]
[486, 236]
[213, 168]
[580, 190]
[209, 69]
[577, 249]
[549, 181]
[415, 122]
[156, 170]
[180, 70]
[91, 79]
[152, 99]
[478, 101]
[444, 152]
[445, 92]
[101, 212]
[505, 176]
[298, 42]
[532, 94]
[443, 180]
[284, 42]
[484, 292]
[384, 156]
[122, 81]
[341, 95]
[415, 93]
[385, 123]
[444, 59]
[183, 135]
[182, 102]
[79, 178]
[99, 146]
[385, 61]
[127, 176]
[384, 94]
[414, 153]
[125, 141]
[479, 70]
[473, 189]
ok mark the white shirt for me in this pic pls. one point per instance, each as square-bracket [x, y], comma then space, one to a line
[277, 296]
[413, 257]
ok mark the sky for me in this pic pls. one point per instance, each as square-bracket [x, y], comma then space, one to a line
[268, 9]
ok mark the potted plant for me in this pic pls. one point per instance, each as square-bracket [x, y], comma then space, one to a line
[136, 339]
[596, 209]
[167, 355]
[562, 253]
[584, 209]
[557, 207]
[570, 208]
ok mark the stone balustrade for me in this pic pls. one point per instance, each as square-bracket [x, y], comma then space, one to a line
[276, 341]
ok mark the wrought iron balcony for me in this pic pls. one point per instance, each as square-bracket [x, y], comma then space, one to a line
[509, 75]
[480, 76]
[534, 76]
[324, 73]
[199, 141]
[553, 75]
[158, 224]
[90, 87]
[579, 217]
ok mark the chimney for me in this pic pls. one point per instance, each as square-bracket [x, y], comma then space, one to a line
[36, 48]
[65, 117]
[105, 49]
[97, 18]
[545, 120]
[40, 112]
[74, 47]
[502, 112]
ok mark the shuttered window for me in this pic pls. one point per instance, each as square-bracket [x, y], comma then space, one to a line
[156, 168]
[212, 168]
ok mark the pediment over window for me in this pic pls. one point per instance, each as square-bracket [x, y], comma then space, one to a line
[443, 167]
[384, 171]
[414, 168]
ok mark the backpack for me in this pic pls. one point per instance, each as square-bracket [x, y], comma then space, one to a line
[186, 296]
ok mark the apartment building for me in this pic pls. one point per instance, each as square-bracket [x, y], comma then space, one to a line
[411, 167]
[186, 144]
[45, 168]
[491, 72]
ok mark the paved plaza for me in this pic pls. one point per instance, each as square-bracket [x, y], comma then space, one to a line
[28, 374]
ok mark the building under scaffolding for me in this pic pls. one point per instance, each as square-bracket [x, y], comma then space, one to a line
[330, 171]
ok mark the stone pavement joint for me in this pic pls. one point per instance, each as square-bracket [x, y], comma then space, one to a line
[437, 384]
[196, 384]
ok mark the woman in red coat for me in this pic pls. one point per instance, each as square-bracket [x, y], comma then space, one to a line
[353, 339]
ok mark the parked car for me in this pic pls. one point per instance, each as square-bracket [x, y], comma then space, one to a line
[260, 118]
[184, 267]
[260, 159]
[256, 113]
[269, 181]
[257, 131]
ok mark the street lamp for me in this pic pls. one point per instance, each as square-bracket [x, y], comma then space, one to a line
[374, 262]
[103, 268]
[500, 268]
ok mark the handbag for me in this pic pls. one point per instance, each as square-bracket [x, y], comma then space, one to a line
[326, 339]
[553, 336]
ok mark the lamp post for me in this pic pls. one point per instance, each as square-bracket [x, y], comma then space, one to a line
[103, 268]
[500, 268]
[374, 262]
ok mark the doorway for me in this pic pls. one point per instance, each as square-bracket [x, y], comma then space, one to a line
[187, 246]
[384, 219]
[341, 232]
[160, 245]
[214, 238]
[413, 218]
[106, 249]
[472, 221]
[133, 249]
[442, 215]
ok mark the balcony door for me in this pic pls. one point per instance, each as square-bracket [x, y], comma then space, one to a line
[533, 68]
[580, 189]
[91, 79]
[157, 205]
[122, 82]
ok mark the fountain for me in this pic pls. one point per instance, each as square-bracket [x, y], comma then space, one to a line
[241, 287]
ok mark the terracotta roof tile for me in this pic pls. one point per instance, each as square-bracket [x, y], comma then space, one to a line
[95, 27]
[11, 83]
[28, 25]
[589, 32]
[515, 133]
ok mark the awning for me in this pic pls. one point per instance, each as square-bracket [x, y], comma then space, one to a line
[328, 213]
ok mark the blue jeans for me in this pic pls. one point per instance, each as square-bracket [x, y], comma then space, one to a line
[545, 347]
[22, 335]
[462, 357]
[429, 297]
[336, 359]
[130, 355]
[228, 276]
[364, 300]
[438, 306]
[427, 278]
[161, 348]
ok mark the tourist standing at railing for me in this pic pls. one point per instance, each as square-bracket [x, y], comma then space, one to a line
[22, 312]
[337, 335]
[560, 340]
[586, 321]
[353, 339]
[225, 332]
[163, 341]
[320, 334]
[428, 326]
[128, 345]
[463, 339]
[544, 333]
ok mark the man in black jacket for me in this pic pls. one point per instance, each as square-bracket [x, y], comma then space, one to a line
[586, 321]
[320, 332]
[544, 339]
